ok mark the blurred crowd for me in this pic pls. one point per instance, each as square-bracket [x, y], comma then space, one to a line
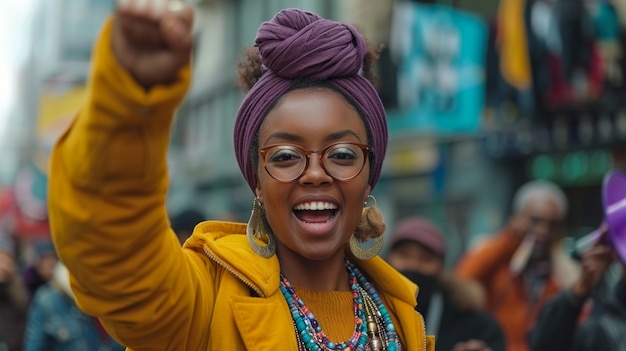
[519, 289]
[37, 308]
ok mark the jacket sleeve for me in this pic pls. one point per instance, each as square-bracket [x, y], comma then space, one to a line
[480, 262]
[556, 324]
[107, 192]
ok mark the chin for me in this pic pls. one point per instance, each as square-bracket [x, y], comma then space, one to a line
[322, 254]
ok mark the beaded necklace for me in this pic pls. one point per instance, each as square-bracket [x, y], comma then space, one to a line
[373, 327]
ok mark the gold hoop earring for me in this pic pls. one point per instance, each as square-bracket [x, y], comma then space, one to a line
[366, 230]
[365, 253]
[257, 228]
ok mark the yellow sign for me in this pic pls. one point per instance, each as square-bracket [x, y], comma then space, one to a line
[57, 111]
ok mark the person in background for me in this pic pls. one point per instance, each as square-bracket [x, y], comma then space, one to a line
[559, 324]
[13, 297]
[40, 271]
[184, 222]
[452, 307]
[524, 265]
[310, 139]
[55, 323]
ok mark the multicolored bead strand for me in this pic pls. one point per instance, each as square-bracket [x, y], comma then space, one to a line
[310, 333]
[370, 292]
[370, 318]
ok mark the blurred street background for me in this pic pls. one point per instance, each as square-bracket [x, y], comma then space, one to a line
[481, 96]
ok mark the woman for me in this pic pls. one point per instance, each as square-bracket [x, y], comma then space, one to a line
[284, 281]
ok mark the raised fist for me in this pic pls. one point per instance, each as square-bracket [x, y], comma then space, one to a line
[152, 39]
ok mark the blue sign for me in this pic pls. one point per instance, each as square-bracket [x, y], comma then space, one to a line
[441, 57]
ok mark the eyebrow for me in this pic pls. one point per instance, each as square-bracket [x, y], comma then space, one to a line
[295, 138]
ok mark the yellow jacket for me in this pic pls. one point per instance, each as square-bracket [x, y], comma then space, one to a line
[107, 191]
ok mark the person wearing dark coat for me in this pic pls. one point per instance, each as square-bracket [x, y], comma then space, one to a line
[451, 306]
[562, 325]
[13, 297]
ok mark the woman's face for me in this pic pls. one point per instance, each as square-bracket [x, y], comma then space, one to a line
[312, 119]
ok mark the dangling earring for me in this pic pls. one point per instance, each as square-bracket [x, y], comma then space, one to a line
[257, 228]
[371, 226]
[365, 253]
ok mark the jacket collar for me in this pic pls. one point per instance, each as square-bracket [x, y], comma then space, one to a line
[226, 244]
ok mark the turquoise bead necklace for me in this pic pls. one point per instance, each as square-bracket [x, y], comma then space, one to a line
[377, 317]
[371, 318]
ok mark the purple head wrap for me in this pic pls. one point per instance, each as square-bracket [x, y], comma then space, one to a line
[298, 44]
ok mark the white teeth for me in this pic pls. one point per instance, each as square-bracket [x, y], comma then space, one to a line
[317, 205]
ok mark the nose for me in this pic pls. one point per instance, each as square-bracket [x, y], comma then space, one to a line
[314, 173]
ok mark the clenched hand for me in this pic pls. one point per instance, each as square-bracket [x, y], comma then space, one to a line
[152, 39]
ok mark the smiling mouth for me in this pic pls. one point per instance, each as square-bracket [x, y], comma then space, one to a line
[315, 212]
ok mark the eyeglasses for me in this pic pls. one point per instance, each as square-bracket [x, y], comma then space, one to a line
[342, 161]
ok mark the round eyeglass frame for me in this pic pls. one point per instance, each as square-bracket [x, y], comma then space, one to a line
[366, 149]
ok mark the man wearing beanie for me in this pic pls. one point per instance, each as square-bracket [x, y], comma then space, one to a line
[450, 305]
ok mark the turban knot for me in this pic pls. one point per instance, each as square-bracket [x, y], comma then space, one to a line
[302, 44]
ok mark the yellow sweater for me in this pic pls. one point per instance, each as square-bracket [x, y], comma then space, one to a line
[332, 309]
[107, 191]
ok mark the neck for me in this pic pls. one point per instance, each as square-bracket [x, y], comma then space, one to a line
[325, 275]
